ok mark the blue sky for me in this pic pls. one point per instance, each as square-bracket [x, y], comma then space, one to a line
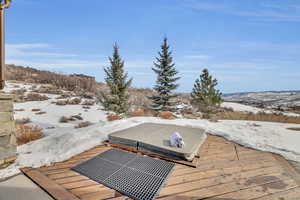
[248, 45]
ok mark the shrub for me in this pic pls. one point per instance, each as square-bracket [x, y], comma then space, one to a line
[26, 134]
[40, 113]
[83, 124]
[64, 119]
[74, 101]
[63, 96]
[88, 95]
[22, 121]
[88, 103]
[49, 89]
[62, 102]
[35, 110]
[77, 117]
[19, 91]
[36, 97]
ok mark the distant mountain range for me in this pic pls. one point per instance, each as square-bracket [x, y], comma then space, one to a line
[278, 100]
[245, 93]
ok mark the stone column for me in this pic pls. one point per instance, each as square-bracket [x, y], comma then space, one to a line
[7, 130]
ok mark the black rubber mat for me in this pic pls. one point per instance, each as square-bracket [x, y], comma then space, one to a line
[134, 175]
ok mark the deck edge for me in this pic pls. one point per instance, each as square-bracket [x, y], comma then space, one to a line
[49, 186]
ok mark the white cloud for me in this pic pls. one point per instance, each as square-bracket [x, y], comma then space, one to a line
[262, 10]
[32, 50]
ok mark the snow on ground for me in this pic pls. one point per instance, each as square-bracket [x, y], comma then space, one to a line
[241, 107]
[53, 112]
[64, 143]
[245, 108]
[10, 86]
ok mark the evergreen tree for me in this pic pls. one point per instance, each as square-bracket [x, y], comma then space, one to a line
[116, 80]
[204, 95]
[166, 80]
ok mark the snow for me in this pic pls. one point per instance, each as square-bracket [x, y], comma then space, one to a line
[244, 108]
[53, 112]
[64, 141]
[241, 107]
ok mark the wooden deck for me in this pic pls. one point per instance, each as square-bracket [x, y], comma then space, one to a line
[226, 171]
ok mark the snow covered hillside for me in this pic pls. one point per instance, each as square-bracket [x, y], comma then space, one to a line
[255, 110]
[285, 101]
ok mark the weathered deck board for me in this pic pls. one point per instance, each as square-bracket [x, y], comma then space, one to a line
[224, 171]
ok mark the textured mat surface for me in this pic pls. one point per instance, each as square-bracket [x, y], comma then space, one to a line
[134, 175]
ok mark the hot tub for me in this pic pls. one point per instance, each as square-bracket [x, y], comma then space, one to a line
[154, 138]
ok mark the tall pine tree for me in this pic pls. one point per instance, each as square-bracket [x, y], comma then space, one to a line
[116, 80]
[166, 80]
[204, 95]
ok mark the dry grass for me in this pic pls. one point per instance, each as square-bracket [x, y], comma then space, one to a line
[166, 115]
[142, 113]
[84, 124]
[137, 113]
[113, 117]
[77, 83]
[26, 134]
[294, 129]
[267, 117]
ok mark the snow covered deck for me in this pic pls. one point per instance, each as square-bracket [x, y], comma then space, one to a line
[225, 171]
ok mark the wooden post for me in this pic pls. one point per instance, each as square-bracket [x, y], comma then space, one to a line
[3, 5]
